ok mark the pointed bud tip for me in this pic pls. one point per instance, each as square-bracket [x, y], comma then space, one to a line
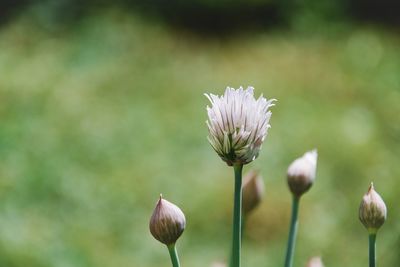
[371, 187]
[159, 201]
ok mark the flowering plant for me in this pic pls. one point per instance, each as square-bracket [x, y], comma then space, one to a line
[237, 125]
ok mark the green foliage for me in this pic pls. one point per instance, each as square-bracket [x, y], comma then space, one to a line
[98, 120]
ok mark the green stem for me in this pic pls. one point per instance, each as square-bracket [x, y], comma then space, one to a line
[174, 255]
[292, 232]
[237, 217]
[242, 227]
[372, 249]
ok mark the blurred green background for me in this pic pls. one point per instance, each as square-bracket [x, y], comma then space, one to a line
[102, 109]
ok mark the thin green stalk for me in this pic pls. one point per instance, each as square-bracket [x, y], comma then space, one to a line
[372, 249]
[174, 255]
[243, 226]
[237, 217]
[292, 232]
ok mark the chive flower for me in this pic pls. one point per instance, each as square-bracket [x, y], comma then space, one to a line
[238, 124]
[301, 173]
[253, 191]
[167, 222]
[372, 212]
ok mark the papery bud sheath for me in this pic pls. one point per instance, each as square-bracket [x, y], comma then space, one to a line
[167, 222]
[372, 212]
[301, 173]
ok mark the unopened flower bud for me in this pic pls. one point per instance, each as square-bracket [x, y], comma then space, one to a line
[301, 173]
[167, 222]
[315, 262]
[253, 191]
[372, 211]
[218, 264]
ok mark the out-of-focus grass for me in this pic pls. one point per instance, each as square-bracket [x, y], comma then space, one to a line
[97, 120]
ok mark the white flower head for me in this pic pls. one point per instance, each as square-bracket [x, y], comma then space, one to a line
[301, 173]
[238, 124]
